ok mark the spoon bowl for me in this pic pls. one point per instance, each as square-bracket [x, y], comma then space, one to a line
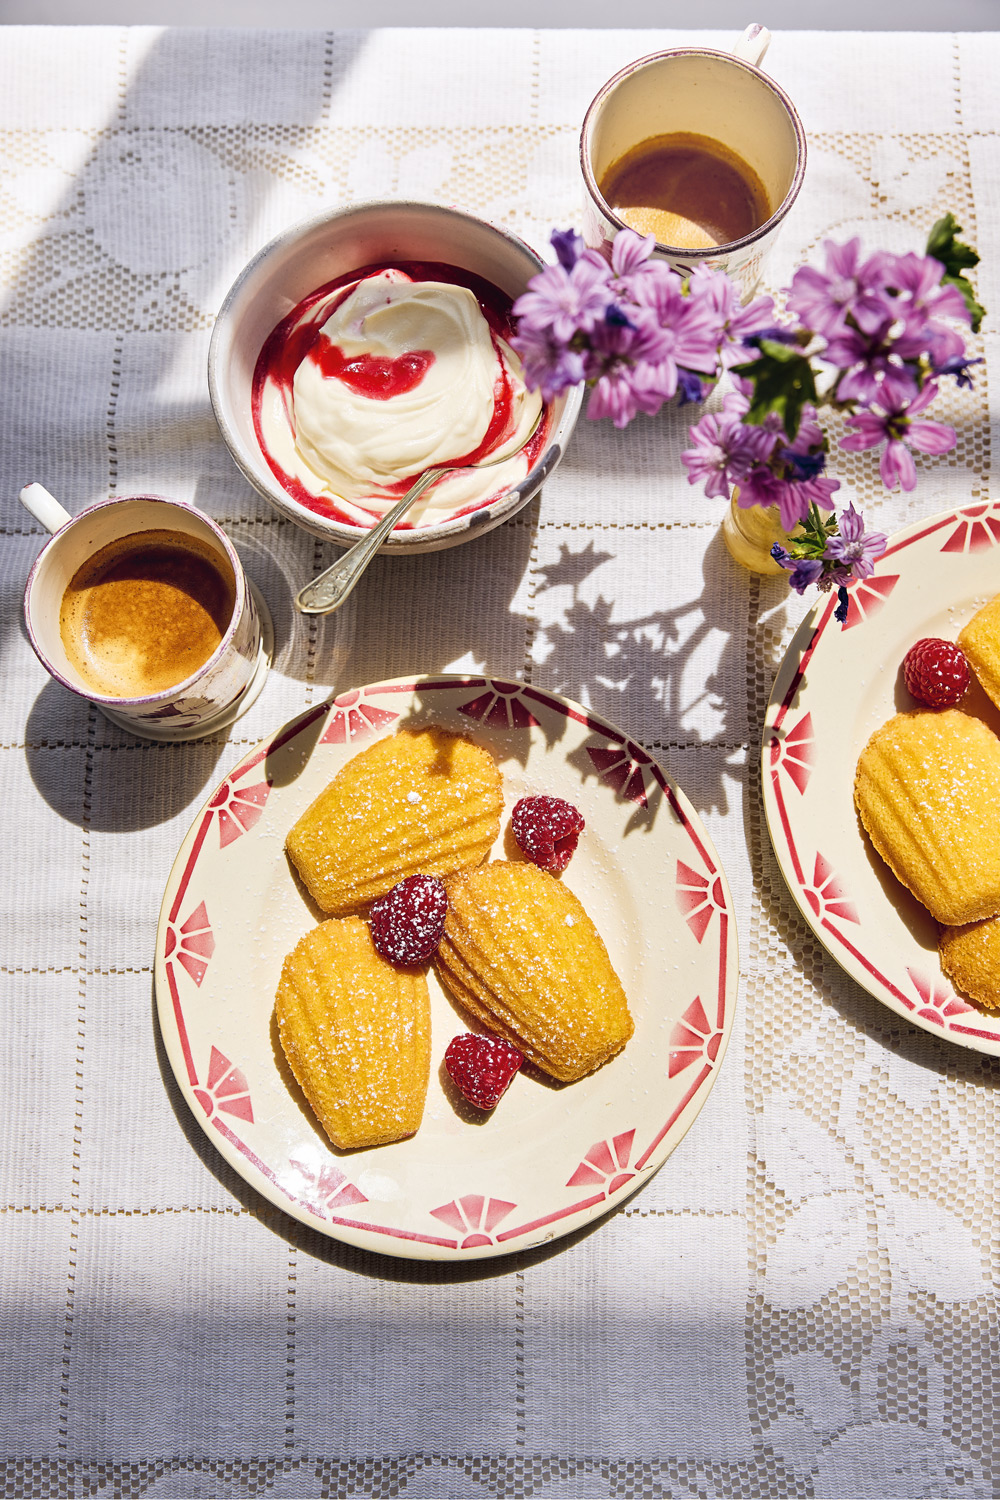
[322, 595]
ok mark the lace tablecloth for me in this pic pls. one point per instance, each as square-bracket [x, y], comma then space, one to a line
[802, 1302]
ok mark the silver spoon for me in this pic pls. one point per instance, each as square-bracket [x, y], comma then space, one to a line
[326, 593]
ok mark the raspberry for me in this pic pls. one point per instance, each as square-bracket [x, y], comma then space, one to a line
[936, 673]
[547, 830]
[407, 922]
[481, 1067]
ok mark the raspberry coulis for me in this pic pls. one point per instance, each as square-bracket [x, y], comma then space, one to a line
[367, 374]
[380, 379]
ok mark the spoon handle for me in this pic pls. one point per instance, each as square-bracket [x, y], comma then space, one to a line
[322, 595]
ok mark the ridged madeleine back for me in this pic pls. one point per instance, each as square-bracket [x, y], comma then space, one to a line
[979, 641]
[970, 956]
[928, 791]
[419, 802]
[357, 1034]
[521, 954]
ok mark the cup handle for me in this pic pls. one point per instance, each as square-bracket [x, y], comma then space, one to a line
[753, 44]
[44, 507]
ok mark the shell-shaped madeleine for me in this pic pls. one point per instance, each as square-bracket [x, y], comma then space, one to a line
[520, 953]
[420, 802]
[357, 1034]
[970, 956]
[980, 641]
[927, 788]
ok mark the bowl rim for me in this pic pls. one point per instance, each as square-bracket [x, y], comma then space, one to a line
[427, 538]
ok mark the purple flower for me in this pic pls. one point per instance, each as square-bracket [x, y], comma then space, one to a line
[805, 571]
[616, 317]
[724, 452]
[630, 251]
[959, 367]
[854, 548]
[630, 338]
[805, 459]
[733, 324]
[920, 302]
[692, 388]
[549, 366]
[917, 280]
[873, 369]
[919, 335]
[896, 428]
[804, 465]
[742, 392]
[810, 433]
[737, 403]
[762, 487]
[792, 497]
[613, 396]
[776, 335]
[843, 602]
[627, 368]
[824, 300]
[565, 302]
[779, 475]
[631, 265]
[568, 247]
[820, 491]
[688, 332]
[623, 390]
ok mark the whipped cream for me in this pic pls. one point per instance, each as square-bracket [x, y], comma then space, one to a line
[363, 388]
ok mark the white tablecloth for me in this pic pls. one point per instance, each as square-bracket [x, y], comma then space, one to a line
[802, 1302]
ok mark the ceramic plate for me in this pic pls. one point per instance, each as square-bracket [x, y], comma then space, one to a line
[548, 1159]
[834, 689]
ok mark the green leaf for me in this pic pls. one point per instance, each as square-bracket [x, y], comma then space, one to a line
[783, 382]
[944, 246]
[951, 252]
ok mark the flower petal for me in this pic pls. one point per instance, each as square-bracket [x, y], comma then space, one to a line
[931, 437]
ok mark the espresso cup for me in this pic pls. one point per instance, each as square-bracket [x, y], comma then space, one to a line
[141, 606]
[670, 102]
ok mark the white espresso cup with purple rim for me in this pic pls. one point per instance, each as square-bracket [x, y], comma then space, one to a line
[700, 92]
[203, 701]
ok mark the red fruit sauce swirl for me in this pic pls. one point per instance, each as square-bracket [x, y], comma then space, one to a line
[367, 374]
[380, 379]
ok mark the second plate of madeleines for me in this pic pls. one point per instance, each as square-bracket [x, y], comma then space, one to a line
[605, 965]
[884, 810]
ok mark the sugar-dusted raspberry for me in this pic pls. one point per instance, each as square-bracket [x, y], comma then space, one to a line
[407, 922]
[481, 1067]
[547, 830]
[936, 673]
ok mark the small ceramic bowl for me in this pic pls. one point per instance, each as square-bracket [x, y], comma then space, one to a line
[308, 256]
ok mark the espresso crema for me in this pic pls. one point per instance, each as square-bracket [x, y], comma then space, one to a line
[689, 191]
[146, 612]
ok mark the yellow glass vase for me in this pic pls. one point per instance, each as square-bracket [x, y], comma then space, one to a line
[751, 533]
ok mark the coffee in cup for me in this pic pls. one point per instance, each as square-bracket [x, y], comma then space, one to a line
[141, 605]
[687, 190]
[698, 148]
[145, 612]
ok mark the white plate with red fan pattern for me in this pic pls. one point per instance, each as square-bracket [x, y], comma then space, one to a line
[835, 687]
[549, 1158]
